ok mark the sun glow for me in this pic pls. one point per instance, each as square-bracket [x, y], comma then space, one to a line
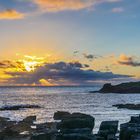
[30, 66]
[31, 62]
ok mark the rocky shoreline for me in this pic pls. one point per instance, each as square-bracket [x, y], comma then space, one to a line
[18, 107]
[67, 126]
[128, 106]
[124, 88]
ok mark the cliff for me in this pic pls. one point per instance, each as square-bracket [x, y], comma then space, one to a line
[131, 87]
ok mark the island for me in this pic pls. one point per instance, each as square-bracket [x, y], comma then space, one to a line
[130, 87]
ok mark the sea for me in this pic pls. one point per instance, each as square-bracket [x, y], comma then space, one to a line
[71, 99]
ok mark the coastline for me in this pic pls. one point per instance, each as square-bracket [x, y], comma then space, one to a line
[67, 126]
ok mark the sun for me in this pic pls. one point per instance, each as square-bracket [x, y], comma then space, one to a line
[32, 62]
[30, 66]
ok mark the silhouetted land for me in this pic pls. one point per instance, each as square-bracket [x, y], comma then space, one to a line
[131, 87]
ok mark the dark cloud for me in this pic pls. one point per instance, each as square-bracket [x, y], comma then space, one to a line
[128, 60]
[9, 64]
[91, 56]
[62, 73]
[75, 52]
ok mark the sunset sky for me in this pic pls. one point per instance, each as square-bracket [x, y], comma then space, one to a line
[69, 42]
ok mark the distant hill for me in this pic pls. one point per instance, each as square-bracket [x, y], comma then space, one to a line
[131, 87]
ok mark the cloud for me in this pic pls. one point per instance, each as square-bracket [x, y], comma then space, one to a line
[9, 64]
[10, 14]
[62, 73]
[63, 5]
[12, 65]
[128, 60]
[91, 56]
[118, 10]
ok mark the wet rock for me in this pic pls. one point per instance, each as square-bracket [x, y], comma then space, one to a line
[130, 130]
[99, 137]
[21, 127]
[17, 138]
[75, 137]
[29, 119]
[47, 127]
[78, 131]
[59, 115]
[135, 119]
[128, 106]
[18, 107]
[136, 137]
[76, 121]
[43, 136]
[75, 126]
[5, 122]
[24, 125]
[9, 132]
[3, 119]
[108, 130]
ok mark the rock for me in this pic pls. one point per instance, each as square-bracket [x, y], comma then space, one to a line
[130, 130]
[21, 127]
[132, 87]
[59, 115]
[128, 106]
[108, 130]
[29, 119]
[76, 121]
[18, 107]
[5, 122]
[135, 119]
[9, 132]
[111, 126]
[24, 125]
[18, 138]
[3, 119]
[99, 137]
[136, 137]
[75, 126]
[47, 127]
[77, 130]
[75, 137]
[41, 137]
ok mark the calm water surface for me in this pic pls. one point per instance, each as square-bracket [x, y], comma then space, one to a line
[72, 99]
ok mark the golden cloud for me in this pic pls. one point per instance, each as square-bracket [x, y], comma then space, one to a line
[10, 14]
[128, 60]
[62, 5]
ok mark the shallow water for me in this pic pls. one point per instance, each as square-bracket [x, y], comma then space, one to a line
[72, 99]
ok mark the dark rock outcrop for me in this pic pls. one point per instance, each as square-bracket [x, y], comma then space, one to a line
[108, 130]
[75, 126]
[130, 130]
[128, 106]
[59, 115]
[18, 107]
[75, 121]
[132, 87]
[75, 136]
